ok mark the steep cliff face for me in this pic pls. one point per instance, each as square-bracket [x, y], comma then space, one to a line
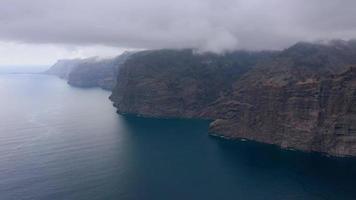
[178, 83]
[314, 114]
[303, 97]
[299, 100]
[90, 72]
[94, 73]
[62, 68]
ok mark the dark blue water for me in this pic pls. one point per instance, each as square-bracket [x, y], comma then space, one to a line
[59, 142]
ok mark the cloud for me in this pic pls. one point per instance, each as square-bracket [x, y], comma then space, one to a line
[208, 25]
[46, 54]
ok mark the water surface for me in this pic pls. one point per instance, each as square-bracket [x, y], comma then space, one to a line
[59, 142]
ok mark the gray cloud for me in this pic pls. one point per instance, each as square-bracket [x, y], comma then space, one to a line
[205, 24]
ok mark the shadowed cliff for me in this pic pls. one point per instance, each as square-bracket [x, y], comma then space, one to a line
[90, 72]
[303, 97]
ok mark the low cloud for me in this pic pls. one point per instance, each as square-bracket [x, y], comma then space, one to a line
[208, 25]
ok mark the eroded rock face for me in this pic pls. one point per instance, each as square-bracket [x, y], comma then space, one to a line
[303, 97]
[178, 83]
[317, 114]
[299, 100]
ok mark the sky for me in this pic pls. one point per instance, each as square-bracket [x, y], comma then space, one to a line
[42, 31]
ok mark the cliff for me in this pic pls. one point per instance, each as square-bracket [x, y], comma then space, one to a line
[178, 83]
[89, 72]
[62, 68]
[302, 98]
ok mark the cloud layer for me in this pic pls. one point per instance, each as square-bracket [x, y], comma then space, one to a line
[209, 25]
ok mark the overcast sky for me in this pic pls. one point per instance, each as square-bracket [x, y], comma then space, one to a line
[41, 31]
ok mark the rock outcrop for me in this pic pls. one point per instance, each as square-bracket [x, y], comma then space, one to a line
[302, 98]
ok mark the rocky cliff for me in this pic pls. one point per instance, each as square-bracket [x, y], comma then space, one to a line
[62, 68]
[302, 98]
[178, 83]
[89, 72]
[312, 114]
